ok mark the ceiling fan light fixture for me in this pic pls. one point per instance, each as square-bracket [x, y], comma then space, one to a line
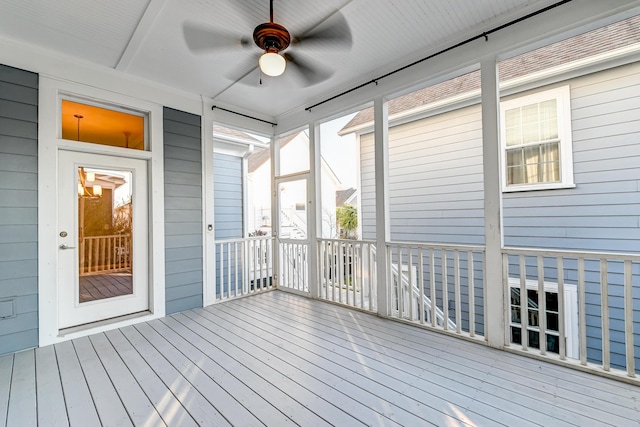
[272, 64]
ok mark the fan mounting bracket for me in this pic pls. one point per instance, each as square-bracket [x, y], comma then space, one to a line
[271, 36]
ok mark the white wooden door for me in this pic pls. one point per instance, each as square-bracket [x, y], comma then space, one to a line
[103, 231]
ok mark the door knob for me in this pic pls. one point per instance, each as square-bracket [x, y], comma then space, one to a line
[63, 246]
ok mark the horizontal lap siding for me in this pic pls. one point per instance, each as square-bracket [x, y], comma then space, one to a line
[18, 209]
[367, 187]
[227, 190]
[183, 210]
[435, 179]
[227, 181]
[602, 213]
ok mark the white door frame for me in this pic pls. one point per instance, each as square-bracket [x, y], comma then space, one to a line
[71, 311]
[49, 142]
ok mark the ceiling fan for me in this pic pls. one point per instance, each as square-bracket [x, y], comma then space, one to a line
[273, 39]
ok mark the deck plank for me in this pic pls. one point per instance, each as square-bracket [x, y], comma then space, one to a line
[362, 367]
[215, 350]
[495, 384]
[310, 393]
[279, 359]
[51, 406]
[108, 404]
[202, 411]
[22, 402]
[339, 389]
[80, 406]
[135, 401]
[6, 367]
[162, 398]
[230, 408]
[578, 405]
[251, 401]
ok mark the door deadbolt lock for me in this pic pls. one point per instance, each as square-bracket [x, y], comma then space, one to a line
[63, 234]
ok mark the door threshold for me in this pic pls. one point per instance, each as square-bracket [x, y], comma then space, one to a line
[105, 322]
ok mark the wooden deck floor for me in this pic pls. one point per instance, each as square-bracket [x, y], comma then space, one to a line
[277, 359]
[105, 285]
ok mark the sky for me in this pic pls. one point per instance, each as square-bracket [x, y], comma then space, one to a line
[340, 151]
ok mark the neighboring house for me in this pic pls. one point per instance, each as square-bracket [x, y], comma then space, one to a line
[569, 131]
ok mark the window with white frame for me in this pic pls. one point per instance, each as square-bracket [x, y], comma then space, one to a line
[552, 315]
[536, 141]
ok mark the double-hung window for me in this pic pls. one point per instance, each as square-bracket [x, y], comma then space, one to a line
[536, 141]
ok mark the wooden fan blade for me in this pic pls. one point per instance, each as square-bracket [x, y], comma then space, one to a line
[201, 38]
[310, 74]
[334, 32]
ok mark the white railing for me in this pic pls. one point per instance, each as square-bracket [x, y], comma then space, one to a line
[595, 326]
[294, 265]
[347, 271]
[243, 266]
[105, 254]
[438, 282]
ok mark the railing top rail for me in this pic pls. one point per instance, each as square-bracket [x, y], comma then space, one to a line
[324, 239]
[571, 254]
[244, 239]
[299, 241]
[438, 246]
[106, 236]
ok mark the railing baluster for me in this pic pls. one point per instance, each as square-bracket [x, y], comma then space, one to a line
[458, 305]
[604, 308]
[235, 264]
[399, 294]
[561, 311]
[361, 264]
[542, 308]
[524, 306]
[445, 292]
[420, 284]
[628, 318]
[410, 285]
[472, 298]
[582, 309]
[432, 284]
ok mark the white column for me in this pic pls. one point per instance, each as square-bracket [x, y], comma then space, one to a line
[314, 202]
[494, 295]
[209, 238]
[381, 150]
[275, 210]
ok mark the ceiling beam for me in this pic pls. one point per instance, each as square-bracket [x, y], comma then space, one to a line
[140, 34]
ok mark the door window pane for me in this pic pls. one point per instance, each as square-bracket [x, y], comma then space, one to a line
[293, 219]
[105, 207]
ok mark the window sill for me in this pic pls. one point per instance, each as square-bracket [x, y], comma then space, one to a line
[538, 187]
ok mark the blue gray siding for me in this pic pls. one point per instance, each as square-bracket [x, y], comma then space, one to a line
[435, 173]
[183, 210]
[18, 209]
[603, 212]
[227, 191]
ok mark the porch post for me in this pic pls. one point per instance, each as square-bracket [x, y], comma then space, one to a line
[381, 150]
[274, 147]
[494, 290]
[314, 195]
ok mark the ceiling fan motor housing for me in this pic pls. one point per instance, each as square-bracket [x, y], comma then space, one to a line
[271, 37]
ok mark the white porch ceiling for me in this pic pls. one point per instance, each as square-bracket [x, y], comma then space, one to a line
[145, 38]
